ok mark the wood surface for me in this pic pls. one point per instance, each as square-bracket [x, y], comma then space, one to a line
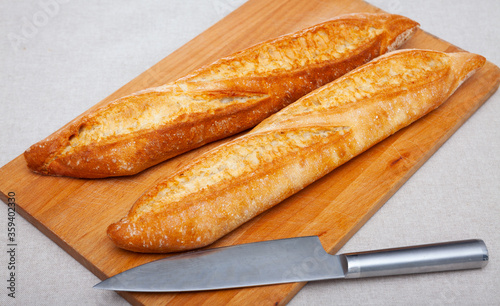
[76, 212]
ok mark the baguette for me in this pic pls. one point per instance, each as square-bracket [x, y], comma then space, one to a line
[228, 96]
[234, 182]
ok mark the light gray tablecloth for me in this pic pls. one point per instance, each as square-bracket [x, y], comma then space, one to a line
[78, 52]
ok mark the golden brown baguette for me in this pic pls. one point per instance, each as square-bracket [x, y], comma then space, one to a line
[231, 95]
[234, 182]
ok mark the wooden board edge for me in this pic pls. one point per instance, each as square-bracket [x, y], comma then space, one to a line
[45, 230]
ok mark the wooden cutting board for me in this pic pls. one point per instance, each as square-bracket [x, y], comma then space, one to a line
[76, 212]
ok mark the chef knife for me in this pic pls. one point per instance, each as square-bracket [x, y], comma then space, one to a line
[290, 260]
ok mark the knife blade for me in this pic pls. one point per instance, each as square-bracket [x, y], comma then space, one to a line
[289, 260]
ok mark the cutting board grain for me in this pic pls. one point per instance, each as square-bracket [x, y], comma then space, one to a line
[75, 212]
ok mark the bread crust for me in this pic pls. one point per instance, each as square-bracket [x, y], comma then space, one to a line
[228, 96]
[234, 182]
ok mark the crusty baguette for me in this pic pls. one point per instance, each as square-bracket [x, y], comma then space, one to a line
[233, 182]
[231, 95]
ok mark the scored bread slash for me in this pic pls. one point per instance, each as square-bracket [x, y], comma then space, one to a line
[228, 96]
[234, 182]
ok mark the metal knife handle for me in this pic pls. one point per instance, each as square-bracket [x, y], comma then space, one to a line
[455, 255]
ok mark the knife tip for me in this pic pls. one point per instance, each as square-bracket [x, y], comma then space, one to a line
[102, 286]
